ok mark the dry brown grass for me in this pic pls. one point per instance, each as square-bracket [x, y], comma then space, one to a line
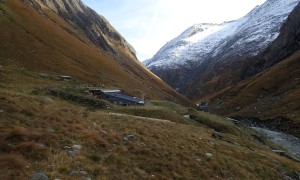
[158, 150]
[54, 50]
[268, 95]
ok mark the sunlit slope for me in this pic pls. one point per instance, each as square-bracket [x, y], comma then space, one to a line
[32, 42]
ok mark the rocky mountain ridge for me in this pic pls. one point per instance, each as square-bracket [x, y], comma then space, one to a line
[94, 26]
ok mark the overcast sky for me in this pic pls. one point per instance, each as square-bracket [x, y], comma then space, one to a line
[150, 24]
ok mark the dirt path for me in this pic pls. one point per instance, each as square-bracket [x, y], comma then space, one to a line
[140, 117]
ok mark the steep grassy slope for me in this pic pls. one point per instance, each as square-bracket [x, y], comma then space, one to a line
[33, 43]
[271, 95]
[37, 134]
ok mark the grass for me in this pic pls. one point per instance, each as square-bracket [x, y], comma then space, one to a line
[170, 105]
[151, 112]
[38, 131]
[55, 51]
[215, 122]
[264, 96]
[36, 142]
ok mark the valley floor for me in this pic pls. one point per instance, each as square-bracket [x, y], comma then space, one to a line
[67, 140]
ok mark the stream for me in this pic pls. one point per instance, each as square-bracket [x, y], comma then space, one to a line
[289, 142]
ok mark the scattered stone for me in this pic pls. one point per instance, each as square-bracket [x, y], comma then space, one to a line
[44, 75]
[83, 174]
[77, 147]
[199, 159]
[142, 144]
[209, 155]
[217, 136]
[1, 111]
[47, 99]
[104, 132]
[39, 176]
[1, 67]
[41, 145]
[72, 151]
[237, 108]
[187, 116]
[143, 174]
[128, 138]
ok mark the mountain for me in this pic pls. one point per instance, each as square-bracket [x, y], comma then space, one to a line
[96, 28]
[209, 57]
[273, 95]
[68, 38]
[51, 128]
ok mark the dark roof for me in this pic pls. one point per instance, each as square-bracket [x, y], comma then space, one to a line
[125, 97]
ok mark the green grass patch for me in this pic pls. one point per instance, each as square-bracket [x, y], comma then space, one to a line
[151, 112]
[170, 105]
[215, 122]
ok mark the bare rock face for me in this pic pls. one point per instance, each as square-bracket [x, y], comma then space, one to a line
[95, 27]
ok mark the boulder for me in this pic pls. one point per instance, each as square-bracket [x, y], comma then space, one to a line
[39, 176]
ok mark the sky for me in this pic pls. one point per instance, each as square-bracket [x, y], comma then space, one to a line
[149, 24]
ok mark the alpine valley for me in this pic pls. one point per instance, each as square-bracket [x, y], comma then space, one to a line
[75, 102]
[246, 69]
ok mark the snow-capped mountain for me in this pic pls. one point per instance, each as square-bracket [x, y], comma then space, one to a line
[214, 49]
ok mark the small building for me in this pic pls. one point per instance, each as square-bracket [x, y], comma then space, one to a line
[65, 78]
[116, 97]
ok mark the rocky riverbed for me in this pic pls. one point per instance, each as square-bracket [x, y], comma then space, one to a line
[289, 142]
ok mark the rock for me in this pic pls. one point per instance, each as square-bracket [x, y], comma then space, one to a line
[217, 136]
[128, 138]
[199, 159]
[44, 75]
[187, 116]
[83, 174]
[77, 147]
[209, 155]
[72, 151]
[1, 111]
[47, 99]
[39, 176]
